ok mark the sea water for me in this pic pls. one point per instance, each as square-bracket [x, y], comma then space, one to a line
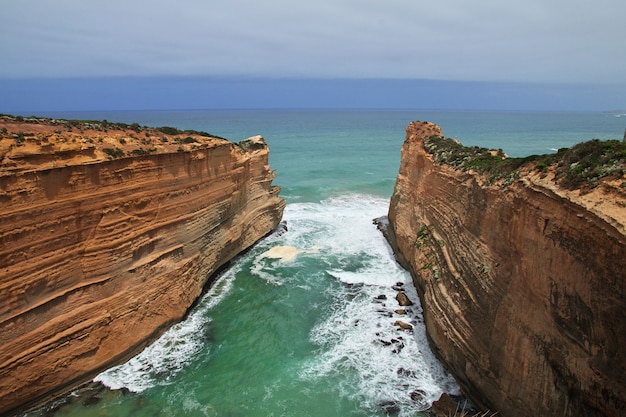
[304, 323]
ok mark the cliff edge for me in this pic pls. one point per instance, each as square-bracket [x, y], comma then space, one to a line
[521, 275]
[108, 234]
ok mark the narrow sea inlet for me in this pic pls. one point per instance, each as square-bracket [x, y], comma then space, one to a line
[308, 335]
[305, 324]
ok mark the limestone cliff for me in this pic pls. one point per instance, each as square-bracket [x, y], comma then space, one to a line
[522, 281]
[108, 234]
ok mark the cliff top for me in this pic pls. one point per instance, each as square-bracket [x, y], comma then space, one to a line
[592, 173]
[32, 143]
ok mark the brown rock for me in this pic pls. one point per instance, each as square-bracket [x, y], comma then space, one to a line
[531, 277]
[403, 300]
[100, 253]
[445, 406]
[402, 325]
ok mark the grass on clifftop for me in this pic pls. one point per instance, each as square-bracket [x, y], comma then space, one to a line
[582, 165]
[105, 125]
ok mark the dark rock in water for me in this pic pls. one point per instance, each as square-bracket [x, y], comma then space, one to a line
[445, 406]
[399, 284]
[381, 297]
[391, 408]
[398, 348]
[403, 300]
[418, 395]
[90, 394]
[385, 313]
[354, 290]
[384, 342]
[406, 372]
[382, 224]
[92, 400]
[281, 229]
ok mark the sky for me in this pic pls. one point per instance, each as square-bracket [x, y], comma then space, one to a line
[550, 54]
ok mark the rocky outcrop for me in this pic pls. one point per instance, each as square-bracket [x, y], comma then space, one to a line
[108, 234]
[522, 282]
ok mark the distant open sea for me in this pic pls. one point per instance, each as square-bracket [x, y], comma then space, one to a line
[312, 335]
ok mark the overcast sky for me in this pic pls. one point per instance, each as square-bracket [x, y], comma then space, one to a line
[535, 41]
[485, 40]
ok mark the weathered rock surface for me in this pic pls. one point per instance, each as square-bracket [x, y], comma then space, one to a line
[522, 285]
[107, 237]
[445, 407]
[403, 299]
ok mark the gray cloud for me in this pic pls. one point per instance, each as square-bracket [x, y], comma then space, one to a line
[534, 40]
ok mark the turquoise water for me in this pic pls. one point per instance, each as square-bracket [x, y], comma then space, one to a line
[318, 154]
[303, 324]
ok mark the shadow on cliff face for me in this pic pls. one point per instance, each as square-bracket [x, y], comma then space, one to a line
[54, 180]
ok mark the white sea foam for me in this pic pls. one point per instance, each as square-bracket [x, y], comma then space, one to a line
[359, 338]
[168, 355]
[359, 347]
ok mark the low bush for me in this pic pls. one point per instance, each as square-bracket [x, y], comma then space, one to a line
[114, 153]
[582, 165]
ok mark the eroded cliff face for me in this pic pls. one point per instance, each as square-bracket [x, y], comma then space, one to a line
[522, 285]
[103, 246]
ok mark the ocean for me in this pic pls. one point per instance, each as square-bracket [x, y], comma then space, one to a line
[303, 324]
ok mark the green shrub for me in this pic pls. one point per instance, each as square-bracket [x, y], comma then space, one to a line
[583, 164]
[114, 153]
[587, 162]
[188, 139]
[169, 130]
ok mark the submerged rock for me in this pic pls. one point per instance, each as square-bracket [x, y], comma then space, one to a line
[418, 395]
[389, 407]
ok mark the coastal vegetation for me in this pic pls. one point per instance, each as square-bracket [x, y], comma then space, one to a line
[42, 135]
[114, 153]
[582, 165]
[105, 125]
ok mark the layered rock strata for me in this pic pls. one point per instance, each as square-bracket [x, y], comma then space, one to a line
[108, 234]
[522, 282]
